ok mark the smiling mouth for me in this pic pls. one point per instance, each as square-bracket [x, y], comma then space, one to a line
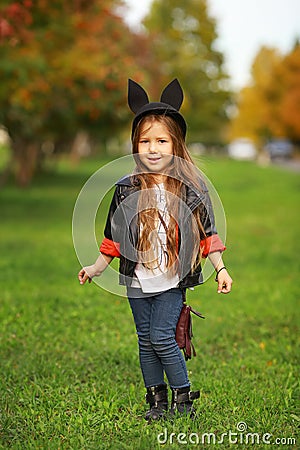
[157, 158]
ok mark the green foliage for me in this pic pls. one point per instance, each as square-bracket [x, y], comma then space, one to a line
[183, 36]
[69, 372]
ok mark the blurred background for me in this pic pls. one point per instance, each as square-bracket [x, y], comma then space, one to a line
[64, 68]
[69, 376]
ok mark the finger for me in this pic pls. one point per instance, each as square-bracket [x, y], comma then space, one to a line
[81, 273]
[80, 276]
[220, 287]
[226, 288]
[83, 278]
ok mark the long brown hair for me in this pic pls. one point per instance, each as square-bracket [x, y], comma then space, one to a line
[180, 173]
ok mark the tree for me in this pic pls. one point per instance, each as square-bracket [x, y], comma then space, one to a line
[182, 36]
[289, 103]
[255, 111]
[62, 71]
[270, 106]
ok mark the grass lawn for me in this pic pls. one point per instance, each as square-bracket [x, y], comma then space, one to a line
[70, 376]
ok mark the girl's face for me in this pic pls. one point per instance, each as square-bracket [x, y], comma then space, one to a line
[155, 147]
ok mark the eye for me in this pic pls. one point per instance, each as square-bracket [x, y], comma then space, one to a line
[162, 141]
[143, 141]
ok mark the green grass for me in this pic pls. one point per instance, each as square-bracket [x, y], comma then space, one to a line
[70, 376]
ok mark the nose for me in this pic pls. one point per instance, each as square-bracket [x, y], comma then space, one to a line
[152, 147]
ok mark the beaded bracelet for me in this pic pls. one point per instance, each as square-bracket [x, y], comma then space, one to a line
[216, 279]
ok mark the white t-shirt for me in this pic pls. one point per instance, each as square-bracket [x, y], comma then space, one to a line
[157, 279]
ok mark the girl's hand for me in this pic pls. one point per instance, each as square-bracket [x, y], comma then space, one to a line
[224, 282]
[86, 273]
[95, 270]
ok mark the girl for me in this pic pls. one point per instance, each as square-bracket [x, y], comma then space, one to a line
[160, 224]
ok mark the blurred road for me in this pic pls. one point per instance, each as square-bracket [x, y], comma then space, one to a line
[292, 165]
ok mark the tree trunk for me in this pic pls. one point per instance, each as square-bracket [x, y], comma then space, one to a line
[24, 160]
[81, 147]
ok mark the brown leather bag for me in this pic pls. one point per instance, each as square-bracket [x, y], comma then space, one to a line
[184, 332]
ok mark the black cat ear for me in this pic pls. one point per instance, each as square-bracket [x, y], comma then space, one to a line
[173, 94]
[137, 96]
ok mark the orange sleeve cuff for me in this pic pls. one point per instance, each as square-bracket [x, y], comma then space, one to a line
[211, 244]
[110, 248]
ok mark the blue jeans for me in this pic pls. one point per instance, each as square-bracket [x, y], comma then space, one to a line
[156, 318]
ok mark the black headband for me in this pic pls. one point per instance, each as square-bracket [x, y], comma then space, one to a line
[170, 102]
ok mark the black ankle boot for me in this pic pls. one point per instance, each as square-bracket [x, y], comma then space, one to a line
[157, 397]
[182, 401]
